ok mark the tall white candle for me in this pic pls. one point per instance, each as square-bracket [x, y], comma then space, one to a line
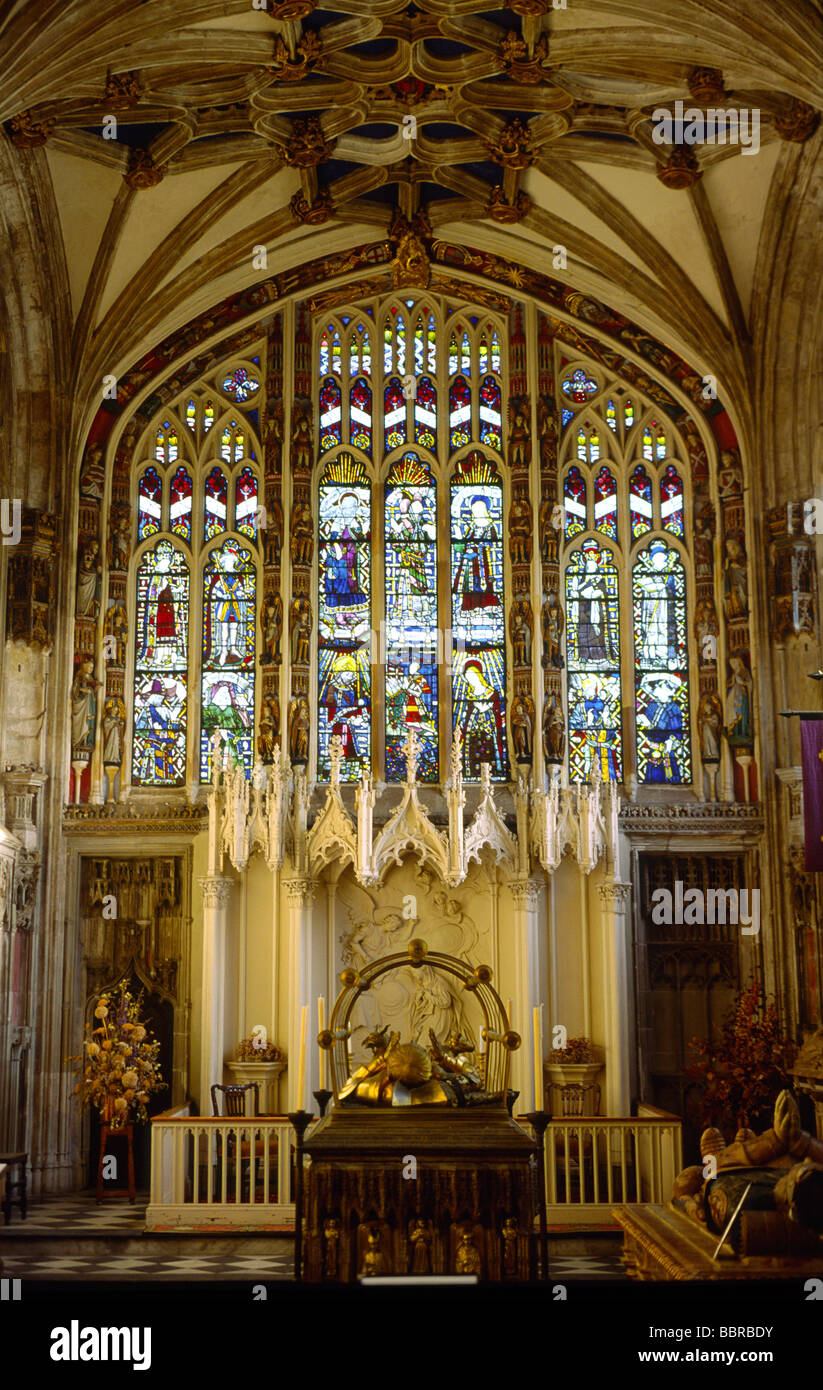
[509, 1012]
[321, 1023]
[538, 1057]
[301, 1065]
[481, 1046]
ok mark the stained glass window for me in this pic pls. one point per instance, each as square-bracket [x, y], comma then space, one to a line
[661, 666]
[593, 659]
[628, 414]
[394, 415]
[574, 495]
[166, 444]
[227, 673]
[336, 357]
[460, 413]
[578, 386]
[653, 441]
[479, 653]
[208, 416]
[161, 668]
[640, 502]
[671, 501]
[191, 416]
[425, 414]
[454, 360]
[388, 345]
[611, 416]
[411, 616]
[344, 616]
[605, 504]
[324, 353]
[330, 413]
[232, 443]
[240, 385]
[180, 503]
[245, 503]
[360, 433]
[216, 499]
[431, 344]
[418, 347]
[149, 509]
[491, 414]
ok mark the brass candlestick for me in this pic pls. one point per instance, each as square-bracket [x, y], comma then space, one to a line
[539, 1121]
[300, 1119]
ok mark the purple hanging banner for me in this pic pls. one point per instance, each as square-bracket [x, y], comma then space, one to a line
[811, 742]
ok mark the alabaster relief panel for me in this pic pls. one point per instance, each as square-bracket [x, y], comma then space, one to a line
[374, 923]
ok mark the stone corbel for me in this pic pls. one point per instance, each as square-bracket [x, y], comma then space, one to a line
[488, 830]
[333, 836]
[410, 828]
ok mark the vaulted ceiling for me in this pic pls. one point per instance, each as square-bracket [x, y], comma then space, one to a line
[163, 141]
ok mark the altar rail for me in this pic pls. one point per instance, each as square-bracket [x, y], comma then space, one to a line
[594, 1163]
[210, 1172]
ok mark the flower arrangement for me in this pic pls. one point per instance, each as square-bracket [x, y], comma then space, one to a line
[745, 1066]
[576, 1051]
[252, 1049]
[119, 1070]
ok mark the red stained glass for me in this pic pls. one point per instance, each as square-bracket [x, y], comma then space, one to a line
[180, 502]
[360, 433]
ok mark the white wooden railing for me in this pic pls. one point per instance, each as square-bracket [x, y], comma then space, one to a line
[209, 1172]
[594, 1163]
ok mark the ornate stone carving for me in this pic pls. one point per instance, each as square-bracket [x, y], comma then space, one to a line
[291, 9]
[28, 131]
[521, 63]
[706, 84]
[308, 56]
[300, 891]
[617, 896]
[307, 146]
[130, 818]
[488, 830]
[215, 891]
[525, 893]
[142, 172]
[31, 581]
[333, 836]
[122, 91]
[501, 210]
[512, 148]
[312, 214]
[680, 170]
[797, 122]
[411, 261]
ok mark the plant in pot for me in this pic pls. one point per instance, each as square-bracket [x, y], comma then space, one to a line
[743, 1068]
[118, 1071]
[257, 1059]
[571, 1081]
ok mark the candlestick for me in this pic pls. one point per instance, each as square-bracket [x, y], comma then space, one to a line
[321, 1023]
[301, 1065]
[538, 1057]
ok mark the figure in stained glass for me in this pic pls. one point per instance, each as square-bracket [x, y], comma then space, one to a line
[591, 623]
[227, 688]
[593, 655]
[411, 615]
[655, 602]
[479, 717]
[224, 610]
[594, 721]
[660, 726]
[161, 662]
[474, 580]
[344, 618]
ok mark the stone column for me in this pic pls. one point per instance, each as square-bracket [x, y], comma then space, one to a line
[529, 987]
[301, 893]
[216, 892]
[615, 898]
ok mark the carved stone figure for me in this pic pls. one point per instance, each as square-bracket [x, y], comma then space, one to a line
[268, 729]
[706, 626]
[420, 1239]
[273, 532]
[703, 542]
[520, 630]
[783, 1169]
[92, 473]
[331, 1233]
[509, 1247]
[299, 729]
[739, 729]
[520, 531]
[271, 622]
[88, 581]
[735, 579]
[83, 708]
[520, 444]
[300, 632]
[301, 439]
[710, 728]
[119, 540]
[373, 1260]
[113, 727]
[522, 721]
[554, 731]
[552, 619]
[730, 475]
[467, 1260]
[411, 262]
[117, 626]
[302, 534]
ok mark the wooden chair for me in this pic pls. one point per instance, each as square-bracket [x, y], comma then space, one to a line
[235, 1099]
[235, 1108]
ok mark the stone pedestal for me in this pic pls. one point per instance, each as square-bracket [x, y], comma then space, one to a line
[265, 1074]
[391, 1191]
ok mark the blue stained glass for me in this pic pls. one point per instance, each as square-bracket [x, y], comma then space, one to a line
[160, 668]
[366, 351]
[431, 345]
[478, 660]
[227, 678]
[578, 386]
[411, 616]
[593, 663]
[661, 666]
[418, 347]
[324, 354]
[240, 385]
[344, 616]
[567, 415]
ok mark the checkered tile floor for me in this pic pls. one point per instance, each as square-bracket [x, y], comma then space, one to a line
[30, 1249]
